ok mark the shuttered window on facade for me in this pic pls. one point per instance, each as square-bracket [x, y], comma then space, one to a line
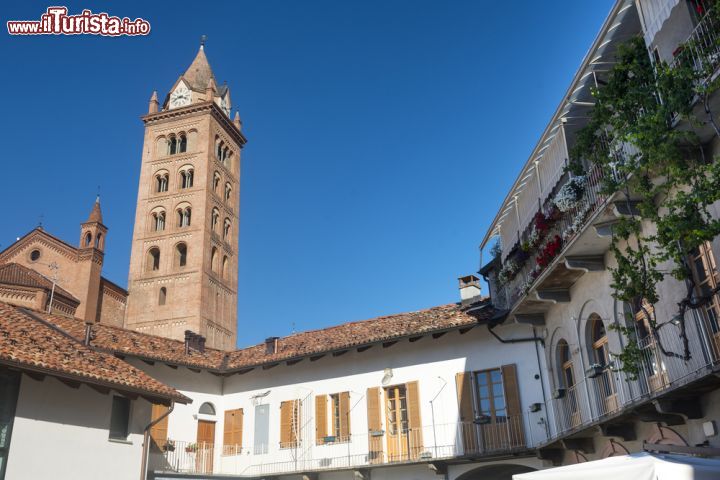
[159, 431]
[335, 409]
[289, 423]
[489, 409]
[375, 431]
[232, 431]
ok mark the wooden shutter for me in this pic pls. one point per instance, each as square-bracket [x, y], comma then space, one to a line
[159, 431]
[344, 416]
[289, 423]
[375, 443]
[512, 402]
[232, 433]
[414, 419]
[466, 413]
[320, 419]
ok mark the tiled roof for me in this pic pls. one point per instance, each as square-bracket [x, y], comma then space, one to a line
[29, 344]
[355, 334]
[315, 342]
[16, 274]
[95, 213]
[130, 342]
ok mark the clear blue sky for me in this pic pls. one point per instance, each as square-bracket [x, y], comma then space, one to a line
[382, 136]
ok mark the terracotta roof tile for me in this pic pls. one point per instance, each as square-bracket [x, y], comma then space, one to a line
[16, 274]
[130, 342]
[28, 343]
[314, 342]
[354, 334]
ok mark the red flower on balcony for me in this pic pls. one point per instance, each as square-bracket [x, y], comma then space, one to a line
[550, 251]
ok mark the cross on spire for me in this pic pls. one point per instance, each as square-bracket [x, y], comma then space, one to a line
[203, 39]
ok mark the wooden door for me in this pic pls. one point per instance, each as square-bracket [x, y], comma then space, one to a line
[205, 446]
[396, 413]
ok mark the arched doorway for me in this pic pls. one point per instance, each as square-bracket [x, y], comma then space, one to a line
[495, 472]
[599, 371]
[570, 407]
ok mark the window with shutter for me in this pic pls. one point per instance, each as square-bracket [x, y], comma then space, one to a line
[289, 423]
[375, 431]
[469, 431]
[514, 409]
[343, 422]
[232, 433]
[159, 431]
[415, 433]
[320, 419]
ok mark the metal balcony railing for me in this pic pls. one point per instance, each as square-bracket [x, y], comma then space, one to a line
[612, 391]
[362, 450]
[701, 50]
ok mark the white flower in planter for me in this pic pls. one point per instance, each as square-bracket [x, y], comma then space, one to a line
[569, 195]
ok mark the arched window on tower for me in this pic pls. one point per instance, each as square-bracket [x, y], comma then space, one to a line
[158, 220]
[186, 177]
[226, 229]
[214, 259]
[228, 193]
[161, 182]
[218, 149]
[216, 182]
[98, 239]
[184, 216]
[214, 219]
[162, 297]
[182, 147]
[172, 145]
[181, 254]
[153, 259]
[88, 239]
[225, 267]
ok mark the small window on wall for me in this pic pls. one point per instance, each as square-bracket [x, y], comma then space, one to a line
[120, 418]
[261, 437]
[163, 296]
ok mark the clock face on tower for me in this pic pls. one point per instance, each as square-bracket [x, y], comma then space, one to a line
[180, 97]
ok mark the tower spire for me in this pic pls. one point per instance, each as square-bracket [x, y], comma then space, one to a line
[154, 104]
[95, 214]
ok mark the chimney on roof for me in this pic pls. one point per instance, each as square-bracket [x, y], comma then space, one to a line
[89, 336]
[271, 345]
[194, 341]
[469, 289]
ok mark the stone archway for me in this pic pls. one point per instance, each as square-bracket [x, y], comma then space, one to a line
[666, 436]
[495, 472]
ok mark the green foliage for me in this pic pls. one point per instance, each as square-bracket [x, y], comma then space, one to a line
[631, 137]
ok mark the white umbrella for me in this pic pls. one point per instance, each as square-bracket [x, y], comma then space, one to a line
[638, 466]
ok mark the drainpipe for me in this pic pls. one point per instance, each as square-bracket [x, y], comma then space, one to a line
[542, 386]
[146, 438]
[534, 338]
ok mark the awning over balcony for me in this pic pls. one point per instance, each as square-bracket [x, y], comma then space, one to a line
[638, 466]
[570, 116]
[653, 14]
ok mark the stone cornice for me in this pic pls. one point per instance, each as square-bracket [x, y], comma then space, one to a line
[197, 108]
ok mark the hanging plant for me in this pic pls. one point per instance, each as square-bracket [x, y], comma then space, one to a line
[570, 194]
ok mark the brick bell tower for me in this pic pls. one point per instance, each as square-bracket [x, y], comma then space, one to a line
[184, 259]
